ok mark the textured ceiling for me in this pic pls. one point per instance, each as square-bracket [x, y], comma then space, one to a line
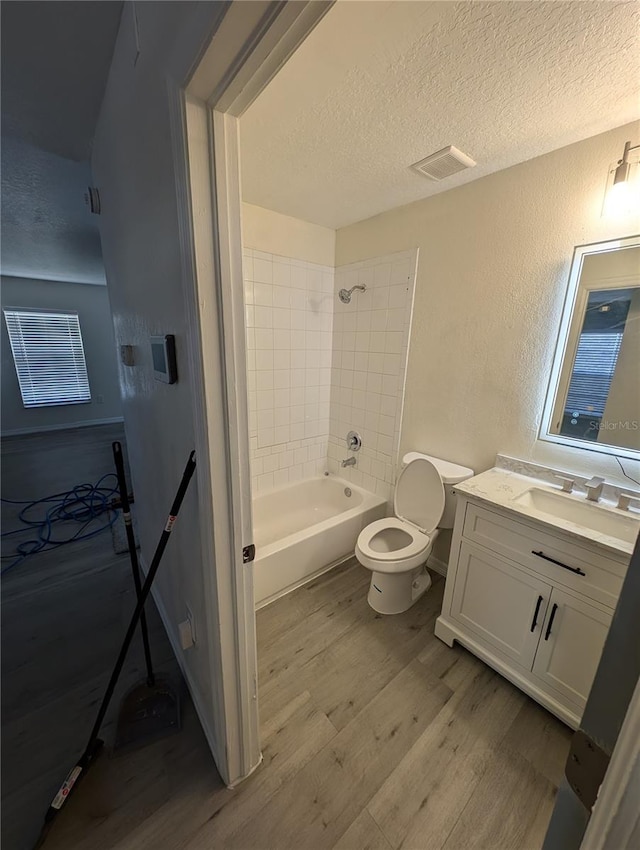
[55, 62]
[380, 85]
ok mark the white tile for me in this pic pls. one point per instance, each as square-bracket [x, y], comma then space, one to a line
[281, 378]
[390, 384]
[379, 320]
[264, 339]
[377, 341]
[247, 266]
[296, 413]
[264, 360]
[282, 339]
[380, 298]
[362, 341]
[265, 481]
[391, 364]
[382, 275]
[387, 425]
[281, 273]
[270, 463]
[374, 382]
[282, 297]
[295, 473]
[281, 318]
[263, 294]
[398, 296]
[359, 380]
[281, 359]
[280, 398]
[281, 477]
[263, 317]
[262, 270]
[264, 399]
[264, 380]
[281, 416]
[281, 434]
[393, 342]
[296, 394]
[389, 405]
[297, 430]
[265, 437]
[396, 320]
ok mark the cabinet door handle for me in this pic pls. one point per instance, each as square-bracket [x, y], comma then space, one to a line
[551, 618]
[576, 570]
[537, 611]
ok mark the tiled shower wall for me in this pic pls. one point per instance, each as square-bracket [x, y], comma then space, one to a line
[370, 343]
[289, 315]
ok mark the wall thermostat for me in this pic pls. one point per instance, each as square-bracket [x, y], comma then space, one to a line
[163, 352]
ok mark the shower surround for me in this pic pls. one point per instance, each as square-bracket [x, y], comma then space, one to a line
[318, 368]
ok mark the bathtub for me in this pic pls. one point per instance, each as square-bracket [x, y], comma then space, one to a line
[303, 529]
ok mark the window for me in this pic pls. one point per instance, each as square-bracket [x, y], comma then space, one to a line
[49, 357]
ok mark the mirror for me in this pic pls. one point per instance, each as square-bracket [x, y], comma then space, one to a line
[593, 400]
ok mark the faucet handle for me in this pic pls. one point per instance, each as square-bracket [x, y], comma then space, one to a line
[567, 483]
[626, 500]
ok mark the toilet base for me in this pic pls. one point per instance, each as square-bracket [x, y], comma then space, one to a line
[393, 593]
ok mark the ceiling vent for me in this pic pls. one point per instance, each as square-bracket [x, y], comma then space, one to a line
[443, 163]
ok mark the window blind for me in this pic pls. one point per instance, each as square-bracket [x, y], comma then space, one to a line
[49, 357]
[593, 370]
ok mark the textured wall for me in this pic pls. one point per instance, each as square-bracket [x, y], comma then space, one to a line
[92, 304]
[275, 233]
[494, 260]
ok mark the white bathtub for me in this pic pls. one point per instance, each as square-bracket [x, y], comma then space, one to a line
[304, 529]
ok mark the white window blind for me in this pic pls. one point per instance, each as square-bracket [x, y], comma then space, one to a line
[593, 370]
[49, 357]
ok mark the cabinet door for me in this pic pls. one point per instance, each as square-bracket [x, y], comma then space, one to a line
[499, 603]
[573, 634]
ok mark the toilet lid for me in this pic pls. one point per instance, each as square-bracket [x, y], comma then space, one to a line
[419, 496]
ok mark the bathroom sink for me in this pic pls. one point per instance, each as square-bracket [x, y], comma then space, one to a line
[579, 511]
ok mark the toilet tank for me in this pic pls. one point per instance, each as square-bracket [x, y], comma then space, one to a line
[451, 473]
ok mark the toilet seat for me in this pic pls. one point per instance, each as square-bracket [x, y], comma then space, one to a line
[395, 560]
[403, 542]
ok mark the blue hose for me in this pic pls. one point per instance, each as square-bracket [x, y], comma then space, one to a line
[84, 504]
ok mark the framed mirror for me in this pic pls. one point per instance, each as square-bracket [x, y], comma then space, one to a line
[593, 399]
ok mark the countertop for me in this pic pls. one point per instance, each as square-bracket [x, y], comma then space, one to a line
[499, 487]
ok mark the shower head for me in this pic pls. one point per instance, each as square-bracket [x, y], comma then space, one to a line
[345, 294]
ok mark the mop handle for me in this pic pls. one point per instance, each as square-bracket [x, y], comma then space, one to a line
[94, 744]
[118, 459]
[144, 593]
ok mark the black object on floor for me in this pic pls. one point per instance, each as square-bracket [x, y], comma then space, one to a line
[150, 709]
[95, 744]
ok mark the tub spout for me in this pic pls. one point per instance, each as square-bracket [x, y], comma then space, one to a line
[350, 461]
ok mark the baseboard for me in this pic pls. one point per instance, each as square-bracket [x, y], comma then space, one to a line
[193, 690]
[41, 429]
[437, 566]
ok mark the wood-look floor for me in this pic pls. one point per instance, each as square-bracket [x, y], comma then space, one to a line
[374, 734]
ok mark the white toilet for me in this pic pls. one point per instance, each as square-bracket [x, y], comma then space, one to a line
[396, 549]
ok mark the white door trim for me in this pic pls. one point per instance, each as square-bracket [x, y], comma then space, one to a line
[249, 44]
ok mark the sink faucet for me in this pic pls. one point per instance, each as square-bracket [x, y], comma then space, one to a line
[350, 461]
[594, 488]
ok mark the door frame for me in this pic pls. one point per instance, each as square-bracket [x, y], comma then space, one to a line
[247, 44]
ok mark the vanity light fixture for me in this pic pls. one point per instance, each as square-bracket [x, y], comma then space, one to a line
[619, 194]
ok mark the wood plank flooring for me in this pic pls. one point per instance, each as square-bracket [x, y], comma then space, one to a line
[375, 735]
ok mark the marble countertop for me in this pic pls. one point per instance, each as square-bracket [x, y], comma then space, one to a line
[500, 487]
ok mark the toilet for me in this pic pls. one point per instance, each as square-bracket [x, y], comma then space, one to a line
[396, 548]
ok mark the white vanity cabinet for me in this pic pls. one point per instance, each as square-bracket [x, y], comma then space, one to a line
[534, 604]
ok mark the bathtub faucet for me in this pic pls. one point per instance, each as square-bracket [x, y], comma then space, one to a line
[350, 461]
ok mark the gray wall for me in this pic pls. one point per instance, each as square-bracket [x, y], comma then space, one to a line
[92, 304]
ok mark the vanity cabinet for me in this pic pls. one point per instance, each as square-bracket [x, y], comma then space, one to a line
[534, 605]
